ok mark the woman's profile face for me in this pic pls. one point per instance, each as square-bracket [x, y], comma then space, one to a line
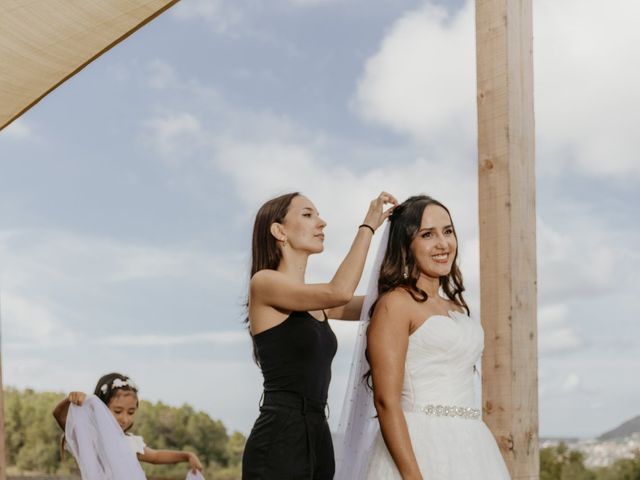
[434, 245]
[303, 226]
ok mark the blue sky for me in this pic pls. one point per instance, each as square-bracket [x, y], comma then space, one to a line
[127, 195]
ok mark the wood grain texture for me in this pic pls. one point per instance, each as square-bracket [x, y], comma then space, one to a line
[506, 166]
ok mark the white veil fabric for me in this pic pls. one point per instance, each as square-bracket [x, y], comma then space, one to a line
[98, 443]
[358, 424]
[194, 476]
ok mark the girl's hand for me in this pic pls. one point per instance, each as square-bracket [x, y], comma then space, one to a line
[377, 214]
[77, 397]
[194, 462]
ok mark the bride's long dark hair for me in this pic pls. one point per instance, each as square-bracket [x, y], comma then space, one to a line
[399, 260]
[399, 268]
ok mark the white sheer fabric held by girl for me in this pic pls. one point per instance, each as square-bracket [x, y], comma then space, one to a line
[98, 443]
[100, 446]
[194, 476]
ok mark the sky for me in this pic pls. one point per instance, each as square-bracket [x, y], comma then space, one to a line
[127, 195]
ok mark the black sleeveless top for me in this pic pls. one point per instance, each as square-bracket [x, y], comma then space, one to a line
[296, 356]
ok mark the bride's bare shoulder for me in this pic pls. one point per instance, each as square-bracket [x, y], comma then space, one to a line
[394, 302]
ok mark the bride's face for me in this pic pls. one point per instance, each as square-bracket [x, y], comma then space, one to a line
[434, 246]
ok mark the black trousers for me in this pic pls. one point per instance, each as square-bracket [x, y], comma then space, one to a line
[289, 441]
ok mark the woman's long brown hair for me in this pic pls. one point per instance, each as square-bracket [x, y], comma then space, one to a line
[265, 252]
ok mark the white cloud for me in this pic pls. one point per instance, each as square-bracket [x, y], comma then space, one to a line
[555, 333]
[18, 130]
[422, 79]
[174, 135]
[586, 86]
[64, 256]
[262, 169]
[224, 16]
[160, 74]
[53, 281]
[29, 371]
[198, 9]
[422, 82]
[583, 259]
[29, 321]
[572, 383]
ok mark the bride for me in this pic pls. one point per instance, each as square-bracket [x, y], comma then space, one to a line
[422, 347]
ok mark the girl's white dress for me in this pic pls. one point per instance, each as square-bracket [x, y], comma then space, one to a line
[449, 438]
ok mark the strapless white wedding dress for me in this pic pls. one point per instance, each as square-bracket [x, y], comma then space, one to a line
[449, 438]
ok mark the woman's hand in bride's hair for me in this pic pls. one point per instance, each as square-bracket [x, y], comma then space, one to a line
[377, 214]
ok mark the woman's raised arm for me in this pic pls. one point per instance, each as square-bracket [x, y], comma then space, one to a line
[281, 291]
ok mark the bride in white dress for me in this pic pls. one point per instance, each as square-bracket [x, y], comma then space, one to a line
[422, 347]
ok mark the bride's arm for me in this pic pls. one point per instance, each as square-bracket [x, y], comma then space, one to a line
[387, 341]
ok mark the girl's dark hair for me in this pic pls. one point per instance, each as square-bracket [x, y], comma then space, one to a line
[265, 252]
[405, 223]
[111, 383]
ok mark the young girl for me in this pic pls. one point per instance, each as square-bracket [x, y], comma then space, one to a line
[120, 394]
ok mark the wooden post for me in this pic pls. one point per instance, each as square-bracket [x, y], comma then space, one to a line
[3, 453]
[507, 229]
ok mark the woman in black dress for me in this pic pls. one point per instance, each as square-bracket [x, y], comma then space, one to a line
[293, 342]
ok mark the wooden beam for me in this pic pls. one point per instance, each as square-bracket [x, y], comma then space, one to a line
[3, 451]
[508, 230]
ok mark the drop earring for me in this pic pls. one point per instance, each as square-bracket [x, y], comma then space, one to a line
[405, 273]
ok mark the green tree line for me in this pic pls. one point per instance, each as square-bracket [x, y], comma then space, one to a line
[33, 437]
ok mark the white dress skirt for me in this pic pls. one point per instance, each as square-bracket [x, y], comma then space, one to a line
[448, 436]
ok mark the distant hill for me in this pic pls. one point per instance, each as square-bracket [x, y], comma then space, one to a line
[627, 428]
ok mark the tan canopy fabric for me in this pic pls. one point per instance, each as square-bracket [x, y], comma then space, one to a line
[44, 42]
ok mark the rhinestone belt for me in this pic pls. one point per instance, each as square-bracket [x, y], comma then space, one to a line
[447, 411]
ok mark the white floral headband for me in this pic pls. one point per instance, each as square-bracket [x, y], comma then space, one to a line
[119, 383]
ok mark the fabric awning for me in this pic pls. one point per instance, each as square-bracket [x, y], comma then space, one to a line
[45, 42]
